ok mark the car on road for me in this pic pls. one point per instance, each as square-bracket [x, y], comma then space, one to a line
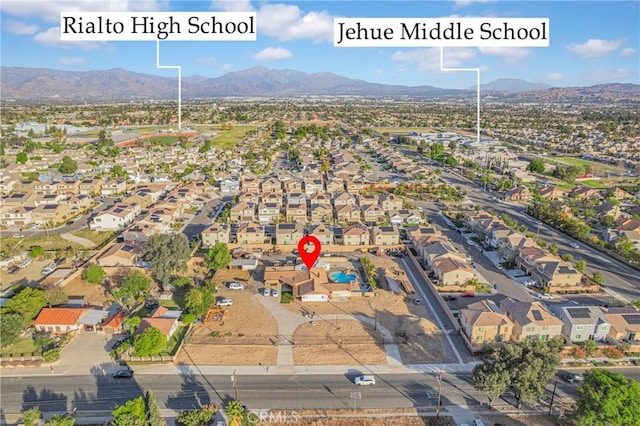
[125, 373]
[449, 298]
[235, 286]
[417, 302]
[468, 295]
[546, 296]
[365, 380]
[471, 242]
[432, 395]
[18, 236]
[574, 245]
[49, 269]
[224, 302]
[571, 377]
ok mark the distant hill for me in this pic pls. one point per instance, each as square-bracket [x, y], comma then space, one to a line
[511, 85]
[28, 84]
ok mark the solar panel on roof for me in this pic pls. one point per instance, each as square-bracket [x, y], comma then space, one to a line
[537, 315]
[632, 319]
[579, 313]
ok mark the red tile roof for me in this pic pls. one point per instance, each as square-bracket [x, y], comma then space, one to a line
[59, 316]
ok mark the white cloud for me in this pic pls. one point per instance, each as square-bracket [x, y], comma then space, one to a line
[272, 53]
[511, 55]
[49, 10]
[554, 76]
[595, 47]
[72, 60]
[15, 27]
[232, 5]
[206, 60]
[429, 59]
[288, 22]
[463, 3]
[628, 51]
[610, 75]
[227, 67]
[51, 37]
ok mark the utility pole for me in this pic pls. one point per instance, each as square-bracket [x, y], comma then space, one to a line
[235, 384]
[439, 393]
[553, 395]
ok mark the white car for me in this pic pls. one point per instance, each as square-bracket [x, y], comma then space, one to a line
[49, 269]
[545, 296]
[529, 282]
[266, 292]
[574, 245]
[235, 286]
[224, 302]
[274, 292]
[18, 236]
[25, 263]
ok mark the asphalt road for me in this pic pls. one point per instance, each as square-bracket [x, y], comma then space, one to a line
[619, 277]
[101, 392]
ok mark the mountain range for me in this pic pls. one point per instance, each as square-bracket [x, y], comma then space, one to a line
[31, 84]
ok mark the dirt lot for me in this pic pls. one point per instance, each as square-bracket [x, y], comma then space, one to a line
[245, 336]
[329, 419]
[517, 420]
[324, 344]
[417, 337]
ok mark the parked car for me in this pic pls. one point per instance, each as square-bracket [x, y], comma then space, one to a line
[449, 298]
[468, 295]
[571, 377]
[49, 269]
[235, 286]
[266, 291]
[151, 304]
[13, 269]
[224, 302]
[545, 296]
[25, 263]
[18, 236]
[125, 373]
[365, 380]
[275, 293]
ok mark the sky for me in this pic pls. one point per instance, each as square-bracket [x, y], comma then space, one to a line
[591, 42]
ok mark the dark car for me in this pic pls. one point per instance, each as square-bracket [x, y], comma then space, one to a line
[13, 269]
[571, 378]
[125, 373]
[151, 304]
[448, 298]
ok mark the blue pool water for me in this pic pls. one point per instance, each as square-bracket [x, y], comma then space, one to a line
[341, 277]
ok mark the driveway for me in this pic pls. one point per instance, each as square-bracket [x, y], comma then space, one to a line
[86, 352]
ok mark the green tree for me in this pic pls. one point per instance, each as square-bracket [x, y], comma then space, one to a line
[31, 417]
[590, 347]
[36, 251]
[198, 417]
[598, 278]
[28, 303]
[68, 165]
[55, 296]
[21, 157]
[218, 256]
[131, 413]
[198, 300]
[168, 253]
[11, 325]
[131, 323]
[135, 286]
[154, 417]
[536, 165]
[149, 342]
[60, 420]
[368, 267]
[553, 248]
[235, 412]
[93, 274]
[436, 150]
[567, 257]
[608, 398]
[581, 265]
[491, 378]
[182, 282]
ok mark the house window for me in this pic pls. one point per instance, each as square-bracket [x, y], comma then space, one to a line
[479, 338]
[545, 327]
[530, 328]
[480, 328]
[578, 337]
[579, 327]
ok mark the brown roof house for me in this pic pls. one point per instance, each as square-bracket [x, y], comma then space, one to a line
[215, 233]
[323, 233]
[242, 212]
[121, 254]
[452, 271]
[163, 319]
[348, 214]
[356, 235]
[289, 233]
[250, 233]
[553, 276]
[531, 320]
[385, 236]
[484, 322]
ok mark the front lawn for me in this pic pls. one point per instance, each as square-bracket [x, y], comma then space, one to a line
[286, 297]
[174, 341]
[21, 346]
[96, 237]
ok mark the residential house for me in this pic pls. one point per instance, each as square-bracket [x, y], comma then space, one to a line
[313, 185]
[554, 275]
[343, 199]
[323, 233]
[452, 271]
[582, 322]
[607, 209]
[269, 213]
[296, 198]
[289, 233]
[163, 319]
[348, 214]
[335, 186]
[356, 235]
[230, 186]
[117, 217]
[272, 184]
[113, 187]
[438, 250]
[385, 236]
[293, 186]
[58, 321]
[625, 326]
[582, 192]
[51, 214]
[618, 193]
[484, 322]
[45, 188]
[296, 213]
[26, 186]
[90, 186]
[416, 232]
[404, 216]
[551, 193]
[249, 197]
[531, 320]
[121, 254]
[373, 214]
[19, 199]
[321, 213]
[356, 187]
[521, 193]
[390, 202]
[78, 202]
[142, 230]
[250, 184]
[530, 256]
[17, 216]
[216, 233]
[496, 234]
[510, 246]
[272, 198]
[367, 200]
[250, 233]
[320, 198]
[47, 199]
[70, 187]
[242, 211]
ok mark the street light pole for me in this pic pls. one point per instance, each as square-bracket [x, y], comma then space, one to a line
[553, 395]
[439, 393]
[235, 385]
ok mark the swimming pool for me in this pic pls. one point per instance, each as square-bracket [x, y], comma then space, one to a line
[341, 277]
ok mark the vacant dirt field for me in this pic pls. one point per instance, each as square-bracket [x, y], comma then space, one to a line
[324, 344]
[399, 420]
[517, 420]
[245, 336]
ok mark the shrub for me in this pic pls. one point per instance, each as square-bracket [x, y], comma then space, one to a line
[188, 318]
[578, 352]
[613, 353]
[197, 417]
[31, 417]
[51, 355]
[36, 251]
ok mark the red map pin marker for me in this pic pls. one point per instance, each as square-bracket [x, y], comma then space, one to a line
[309, 258]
